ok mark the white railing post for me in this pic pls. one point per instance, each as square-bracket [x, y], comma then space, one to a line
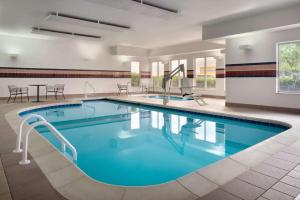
[53, 130]
[86, 85]
[19, 136]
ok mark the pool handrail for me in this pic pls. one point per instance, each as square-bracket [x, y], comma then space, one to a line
[55, 132]
[19, 136]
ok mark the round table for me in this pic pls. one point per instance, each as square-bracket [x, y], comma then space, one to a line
[38, 91]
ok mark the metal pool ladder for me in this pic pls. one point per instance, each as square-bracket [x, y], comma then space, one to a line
[42, 122]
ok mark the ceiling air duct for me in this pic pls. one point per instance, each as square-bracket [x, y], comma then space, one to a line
[52, 32]
[81, 21]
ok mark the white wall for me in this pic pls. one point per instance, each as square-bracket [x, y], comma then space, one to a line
[186, 48]
[89, 55]
[63, 54]
[258, 91]
[282, 17]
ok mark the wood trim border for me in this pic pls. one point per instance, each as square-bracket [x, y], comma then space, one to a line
[269, 108]
[6, 72]
[252, 64]
[264, 69]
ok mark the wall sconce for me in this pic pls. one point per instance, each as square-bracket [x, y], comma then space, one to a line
[13, 56]
[245, 47]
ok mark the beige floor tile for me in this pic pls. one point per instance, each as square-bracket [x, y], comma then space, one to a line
[282, 164]
[52, 162]
[270, 170]
[197, 184]
[291, 150]
[275, 195]
[243, 190]
[223, 171]
[64, 176]
[258, 179]
[291, 181]
[250, 157]
[1, 166]
[5, 196]
[269, 146]
[173, 191]
[295, 174]
[84, 188]
[219, 195]
[285, 139]
[287, 189]
[3, 183]
[288, 157]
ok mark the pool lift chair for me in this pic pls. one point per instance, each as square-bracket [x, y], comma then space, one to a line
[186, 89]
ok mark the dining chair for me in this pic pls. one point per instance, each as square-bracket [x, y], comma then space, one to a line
[15, 91]
[56, 89]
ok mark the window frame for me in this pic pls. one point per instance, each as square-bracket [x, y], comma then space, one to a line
[277, 69]
[159, 64]
[179, 75]
[140, 78]
[205, 73]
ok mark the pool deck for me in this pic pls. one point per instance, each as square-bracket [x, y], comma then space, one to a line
[268, 170]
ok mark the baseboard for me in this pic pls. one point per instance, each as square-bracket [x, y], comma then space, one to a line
[261, 107]
[52, 97]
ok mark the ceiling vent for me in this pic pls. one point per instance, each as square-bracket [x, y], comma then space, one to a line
[81, 21]
[52, 32]
[143, 7]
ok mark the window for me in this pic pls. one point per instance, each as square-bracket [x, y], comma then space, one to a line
[200, 72]
[135, 120]
[176, 79]
[206, 132]
[157, 73]
[288, 76]
[176, 123]
[206, 72]
[135, 74]
[157, 119]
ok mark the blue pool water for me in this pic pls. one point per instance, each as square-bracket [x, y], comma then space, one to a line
[174, 98]
[135, 145]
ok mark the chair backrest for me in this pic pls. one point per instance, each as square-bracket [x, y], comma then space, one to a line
[60, 87]
[122, 86]
[186, 87]
[12, 88]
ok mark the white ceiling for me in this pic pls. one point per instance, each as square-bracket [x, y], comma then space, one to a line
[17, 17]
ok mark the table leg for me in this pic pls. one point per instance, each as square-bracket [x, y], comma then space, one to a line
[38, 94]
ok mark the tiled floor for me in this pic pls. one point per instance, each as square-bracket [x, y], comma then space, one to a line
[276, 177]
[16, 181]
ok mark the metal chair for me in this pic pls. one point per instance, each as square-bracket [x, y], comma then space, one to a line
[56, 89]
[122, 88]
[145, 88]
[15, 91]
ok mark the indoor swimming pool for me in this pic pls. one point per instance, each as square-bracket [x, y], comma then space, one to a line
[137, 145]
